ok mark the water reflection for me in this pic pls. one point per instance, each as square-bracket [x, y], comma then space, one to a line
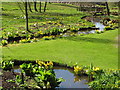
[99, 25]
[72, 81]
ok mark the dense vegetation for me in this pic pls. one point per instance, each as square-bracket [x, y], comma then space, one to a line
[54, 37]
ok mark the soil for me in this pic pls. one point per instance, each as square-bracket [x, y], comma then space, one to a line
[7, 76]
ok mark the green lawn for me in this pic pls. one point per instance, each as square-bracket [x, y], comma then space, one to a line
[99, 49]
[55, 12]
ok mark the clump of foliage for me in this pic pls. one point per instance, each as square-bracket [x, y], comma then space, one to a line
[25, 40]
[28, 40]
[99, 32]
[109, 79]
[4, 42]
[108, 28]
[7, 65]
[48, 37]
[100, 78]
[42, 73]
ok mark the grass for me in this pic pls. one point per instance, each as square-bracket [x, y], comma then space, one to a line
[12, 12]
[98, 49]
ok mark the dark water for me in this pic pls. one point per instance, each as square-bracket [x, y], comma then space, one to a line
[71, 80]
[97, 23]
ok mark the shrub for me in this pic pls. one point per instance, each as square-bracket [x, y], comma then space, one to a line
[7, 65]
[34, 40]
[108, 28]
[25, 40]
[109, 79]
[4, 42]
[48, 37]
[101, 79]
[78, 70]
[97, 31]
[42, 73]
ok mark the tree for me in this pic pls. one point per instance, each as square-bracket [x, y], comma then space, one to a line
[45, 6]
[40, 6]
[29, 4]
[26, 15]
[108, 10]
[35, 6]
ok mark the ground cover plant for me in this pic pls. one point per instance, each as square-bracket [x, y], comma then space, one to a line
[47, 26]
[100, 78]
[40, 74]
[59, 35]
[70, 50]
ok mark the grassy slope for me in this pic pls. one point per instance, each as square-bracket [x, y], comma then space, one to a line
[59, 11]
[98, 49]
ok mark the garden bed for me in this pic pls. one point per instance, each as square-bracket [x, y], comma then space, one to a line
[72, 80]
[36, 72]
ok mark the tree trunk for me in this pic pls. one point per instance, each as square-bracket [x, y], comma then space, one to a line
[35, 6]
[45, 6]
[108, 10]
[26, 16]
[40, 7]
[29, 4]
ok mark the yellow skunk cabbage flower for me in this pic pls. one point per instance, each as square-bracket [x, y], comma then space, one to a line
[96, 69]
[77, 69]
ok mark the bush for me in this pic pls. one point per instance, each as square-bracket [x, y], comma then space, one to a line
[48, 37]
[4, 42]
[101, 79]
[108, 28]
[97, 31]
[25, 40]
[42, 73]
[7, 65]
[109, 79]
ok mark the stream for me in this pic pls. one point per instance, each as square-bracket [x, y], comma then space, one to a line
[71, 80]
[97, 24]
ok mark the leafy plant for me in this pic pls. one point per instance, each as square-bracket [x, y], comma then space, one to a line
[47, 65]
[4, 42]
[46, 79]
[48, 37]
[109, 79]
[7, 65]
[78, 70]
[27, 68]
[25, 40]
[108, 28]
[100, 78]
[97, 31]
[10, 80]
[18, 79]
[42, 73]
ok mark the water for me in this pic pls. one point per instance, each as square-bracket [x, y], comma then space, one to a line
[97, 23]
[17, 70]
[71, 80]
